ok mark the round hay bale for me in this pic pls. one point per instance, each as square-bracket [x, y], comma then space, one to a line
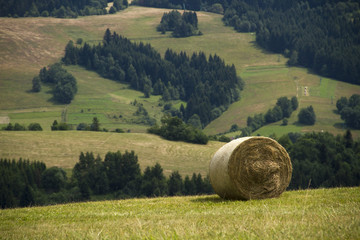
[250, 168]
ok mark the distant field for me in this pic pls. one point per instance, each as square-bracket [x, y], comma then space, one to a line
[309, 214]
[27, 44]
[62, 148]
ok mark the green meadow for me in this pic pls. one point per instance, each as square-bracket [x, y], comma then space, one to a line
[307, 214]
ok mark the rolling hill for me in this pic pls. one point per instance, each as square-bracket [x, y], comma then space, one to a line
[307, 214]
[27, 44]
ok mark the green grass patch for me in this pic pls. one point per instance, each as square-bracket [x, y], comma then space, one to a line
[308, 214]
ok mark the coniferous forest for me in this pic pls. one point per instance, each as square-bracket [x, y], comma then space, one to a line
[208, 85]
[56, 8]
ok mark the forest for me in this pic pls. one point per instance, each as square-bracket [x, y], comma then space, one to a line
[207, 85]
[322, 35]
[54, 8]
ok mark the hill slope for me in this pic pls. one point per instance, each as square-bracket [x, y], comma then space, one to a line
[308, 214]
[31, 43]
[62, 148]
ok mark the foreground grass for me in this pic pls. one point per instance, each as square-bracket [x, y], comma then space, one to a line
[309, 214]
[62, 148]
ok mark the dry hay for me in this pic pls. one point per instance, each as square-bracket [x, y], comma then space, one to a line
[250, 168]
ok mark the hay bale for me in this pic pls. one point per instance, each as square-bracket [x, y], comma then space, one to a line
[250, 168]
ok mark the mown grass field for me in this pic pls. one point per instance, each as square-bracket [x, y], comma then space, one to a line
[30, 43]
[306, 214]
[63, 149]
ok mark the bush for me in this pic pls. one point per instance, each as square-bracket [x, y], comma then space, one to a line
[83, 127]
[35, 127]
[307, 116]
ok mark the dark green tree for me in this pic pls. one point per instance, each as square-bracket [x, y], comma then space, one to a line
[27, 197]
[95, 126]
[175, 184]
[53, 179]
[35, 127]
[36, 85]
[307, 116]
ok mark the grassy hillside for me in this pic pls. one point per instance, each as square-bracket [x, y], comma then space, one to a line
[308, 214]
[30, 43]
[63, 149]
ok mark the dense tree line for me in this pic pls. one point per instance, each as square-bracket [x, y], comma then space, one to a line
[54, 8]
[184, 25]
[321, 35]
[64, 83]
[323, 160]
[177, 4]
[173, 128]
[216, 6]
[18, 181]
[24, 183]
[349, 110]
[208, 85]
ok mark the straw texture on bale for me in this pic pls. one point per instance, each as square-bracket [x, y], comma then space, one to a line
[250, 168]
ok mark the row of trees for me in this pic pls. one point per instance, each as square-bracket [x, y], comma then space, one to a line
[320, 35]
[177, 4]
[54, 8]
[19, 127]
[349, 110]
[208, 85]
[173, 128]
[64, 83]
[24, 183]
[184, 25]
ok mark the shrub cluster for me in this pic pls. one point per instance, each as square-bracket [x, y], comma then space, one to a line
[64, 83]
[19, 127]
[283, 109]
[184, 25]
[173, 128]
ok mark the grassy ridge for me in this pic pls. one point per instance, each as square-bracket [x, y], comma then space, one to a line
[308, 214]
[63, 149]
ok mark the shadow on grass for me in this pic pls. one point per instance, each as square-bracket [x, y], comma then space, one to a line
[340, 126]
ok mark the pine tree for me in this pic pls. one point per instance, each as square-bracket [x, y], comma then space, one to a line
[27, 197]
